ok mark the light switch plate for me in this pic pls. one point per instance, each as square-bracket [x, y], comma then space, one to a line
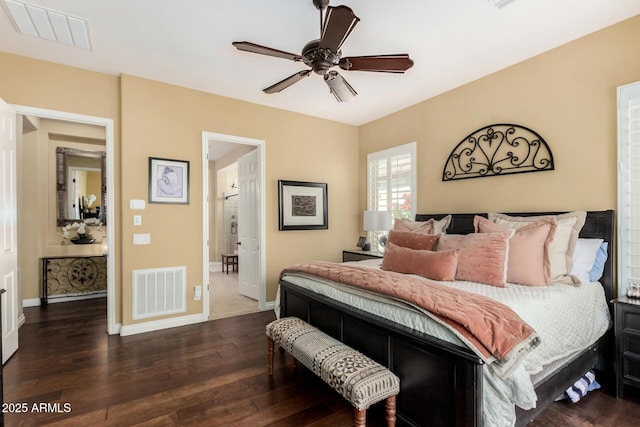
[136, 204]
[142, 239]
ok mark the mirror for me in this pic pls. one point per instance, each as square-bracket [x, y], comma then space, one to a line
[81, 185]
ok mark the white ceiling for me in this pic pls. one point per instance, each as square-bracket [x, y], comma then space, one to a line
[188, 43]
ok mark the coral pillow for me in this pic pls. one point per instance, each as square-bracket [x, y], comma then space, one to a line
[432, 265]
[413, 240]
[563, 244]
[483, 256]
[528, 260]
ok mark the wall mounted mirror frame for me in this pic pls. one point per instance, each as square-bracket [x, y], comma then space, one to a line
[62, 185]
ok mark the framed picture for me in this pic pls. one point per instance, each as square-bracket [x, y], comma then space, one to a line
[303, 205]
[361, 241]
[168, 181]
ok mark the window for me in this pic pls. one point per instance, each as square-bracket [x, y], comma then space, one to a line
[628, 186]
[392, 184]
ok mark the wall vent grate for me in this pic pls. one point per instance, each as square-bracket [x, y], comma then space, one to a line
[159, 292]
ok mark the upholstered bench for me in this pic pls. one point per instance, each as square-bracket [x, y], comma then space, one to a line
[358, 378]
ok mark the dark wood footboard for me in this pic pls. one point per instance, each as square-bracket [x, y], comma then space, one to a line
[440, 383]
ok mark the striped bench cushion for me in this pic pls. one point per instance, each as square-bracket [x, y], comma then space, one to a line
[358, 378]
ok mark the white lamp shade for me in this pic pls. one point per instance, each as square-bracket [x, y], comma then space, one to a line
[376, 221]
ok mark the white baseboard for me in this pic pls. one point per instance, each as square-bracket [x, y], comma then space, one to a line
[30, 302]
[21, 320]
[35, 302]
[156, 325]
[269, 305]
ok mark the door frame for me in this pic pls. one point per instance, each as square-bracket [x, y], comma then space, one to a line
[208, 137]
[112, 326]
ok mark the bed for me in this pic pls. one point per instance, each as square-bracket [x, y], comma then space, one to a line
[444, 382]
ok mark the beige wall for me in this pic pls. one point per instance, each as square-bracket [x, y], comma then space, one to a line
[567, 95]
[160, 120]
[29, 82]
[166, 121]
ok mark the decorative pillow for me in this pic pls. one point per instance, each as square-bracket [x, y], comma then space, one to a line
[440, 226]
[432, 265]
[584, 256]
[413, 240]
[528, 261]
[598, 266]
[483, 256]
[430, 226]
[563, 244]
[403, 224]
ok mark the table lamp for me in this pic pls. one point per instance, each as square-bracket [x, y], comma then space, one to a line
[376, 221]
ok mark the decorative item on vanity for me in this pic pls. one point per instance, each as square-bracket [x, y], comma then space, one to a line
[377, 222]
[633, 291]
[86, 210]
[498, 149]
[83, 236]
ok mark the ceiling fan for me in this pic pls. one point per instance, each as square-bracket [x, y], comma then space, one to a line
[323, 54]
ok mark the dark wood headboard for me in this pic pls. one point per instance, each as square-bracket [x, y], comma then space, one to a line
[599, 225]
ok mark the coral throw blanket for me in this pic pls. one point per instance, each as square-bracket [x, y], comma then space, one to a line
[494, 331]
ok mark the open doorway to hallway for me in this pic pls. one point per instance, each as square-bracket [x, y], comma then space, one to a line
[233, 268]
[225, 297]
[49, 141]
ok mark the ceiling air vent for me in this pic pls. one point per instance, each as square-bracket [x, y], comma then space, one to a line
[49, 24]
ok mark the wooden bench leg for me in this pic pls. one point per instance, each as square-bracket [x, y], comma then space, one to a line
[360, 417]
[270, 351]
[391, 411]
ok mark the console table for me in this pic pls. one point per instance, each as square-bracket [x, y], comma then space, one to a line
[68, 275]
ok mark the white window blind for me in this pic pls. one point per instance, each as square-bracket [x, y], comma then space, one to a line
[392, 182]
[628, 186]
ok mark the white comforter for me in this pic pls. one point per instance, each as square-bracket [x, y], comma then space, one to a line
[567, 319]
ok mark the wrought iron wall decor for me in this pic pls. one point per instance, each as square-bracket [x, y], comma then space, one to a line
[498, 149]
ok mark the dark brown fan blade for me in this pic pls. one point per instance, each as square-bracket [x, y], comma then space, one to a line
[339, 87]
[382, 63]
[283, 84]
[263, 50]
[339, 22]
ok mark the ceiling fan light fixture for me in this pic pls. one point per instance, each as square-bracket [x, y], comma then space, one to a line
[339, 87]
[322, 54]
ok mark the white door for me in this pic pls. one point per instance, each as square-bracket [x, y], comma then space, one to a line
[8, 232]
[249, 224]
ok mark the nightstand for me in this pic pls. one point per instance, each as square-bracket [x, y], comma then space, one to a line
[627, 325]
[358, 255]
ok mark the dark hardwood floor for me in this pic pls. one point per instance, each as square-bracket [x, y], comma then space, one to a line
[210, 374]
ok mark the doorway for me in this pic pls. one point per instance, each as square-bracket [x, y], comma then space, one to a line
[221, 182]
[112, 326]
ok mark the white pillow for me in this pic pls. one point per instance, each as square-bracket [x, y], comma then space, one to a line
[584, 256]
